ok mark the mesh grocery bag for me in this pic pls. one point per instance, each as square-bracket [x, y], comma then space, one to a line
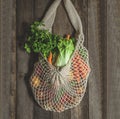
[57, 89]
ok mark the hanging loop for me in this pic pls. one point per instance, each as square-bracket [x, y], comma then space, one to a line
[75, 20]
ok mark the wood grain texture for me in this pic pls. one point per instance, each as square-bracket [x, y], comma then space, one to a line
[0, 63]
[113, 59]
[7, 59]
[97, 52]
[101, 25]
[25, 10]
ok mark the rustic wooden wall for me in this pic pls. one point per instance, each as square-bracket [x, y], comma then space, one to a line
[101, 22]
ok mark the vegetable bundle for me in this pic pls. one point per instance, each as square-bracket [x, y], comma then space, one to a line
[54, 48]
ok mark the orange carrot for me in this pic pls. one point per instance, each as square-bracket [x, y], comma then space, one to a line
[68, 37]
[50, 58]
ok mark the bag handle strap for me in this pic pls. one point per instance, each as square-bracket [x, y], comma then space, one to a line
[50, 15]
[72, 13]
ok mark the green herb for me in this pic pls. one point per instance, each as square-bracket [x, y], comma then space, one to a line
[42, 41]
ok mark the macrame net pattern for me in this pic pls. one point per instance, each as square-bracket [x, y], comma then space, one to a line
[57, 89]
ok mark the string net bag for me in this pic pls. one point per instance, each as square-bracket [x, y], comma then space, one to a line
[57, 89]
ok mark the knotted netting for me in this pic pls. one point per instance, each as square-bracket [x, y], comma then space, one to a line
[60, 88]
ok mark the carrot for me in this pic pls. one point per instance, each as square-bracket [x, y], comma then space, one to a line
[68, 37]
[50, 58]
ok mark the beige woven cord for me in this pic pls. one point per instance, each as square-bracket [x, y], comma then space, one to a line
[58, 89]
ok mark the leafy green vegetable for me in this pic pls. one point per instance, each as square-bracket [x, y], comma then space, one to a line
[66, 48]
[42, 41]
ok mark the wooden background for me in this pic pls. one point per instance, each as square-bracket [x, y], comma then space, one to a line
[101, 22]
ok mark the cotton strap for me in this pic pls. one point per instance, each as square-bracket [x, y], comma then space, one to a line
[49, 17]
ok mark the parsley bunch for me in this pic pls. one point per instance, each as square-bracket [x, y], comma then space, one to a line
[40, 40]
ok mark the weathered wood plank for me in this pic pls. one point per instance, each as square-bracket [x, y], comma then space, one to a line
[103, 52]
[13, 63]
[7, 59]
[0, 64]
[25, 10]
[113, 59]
[97, 50]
